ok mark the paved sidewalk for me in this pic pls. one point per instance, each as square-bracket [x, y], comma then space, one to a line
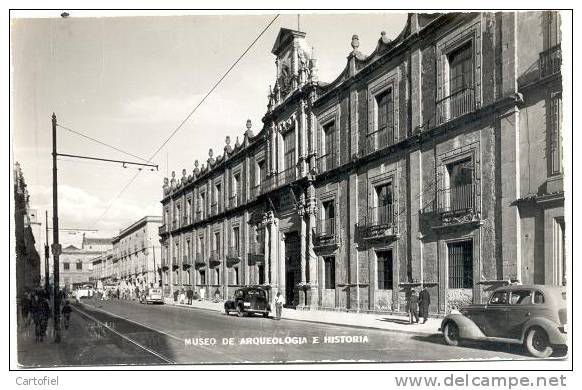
[391, 322]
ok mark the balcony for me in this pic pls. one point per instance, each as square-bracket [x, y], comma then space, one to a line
[326, 162]
[236, 200]
[289, 175]
[379, 139]
[199, 261]
[378, 223]
[325, 232]
[256, 253]
[162, 229]
[457, 205]
[214, 208]
[256, 191]
[175, 264]
[457, 104]
[234, 255]
[550, 61]
[215, 258]
[269, 183]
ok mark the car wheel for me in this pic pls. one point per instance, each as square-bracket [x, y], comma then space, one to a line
[239, 312]
[537, 343]
[451, 334]
[265, 315]
[226, 311]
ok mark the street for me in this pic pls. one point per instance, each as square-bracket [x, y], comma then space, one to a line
[191, 336]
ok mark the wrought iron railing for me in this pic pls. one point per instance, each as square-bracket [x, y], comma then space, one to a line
[550, 61]
[325, 227]
[200, 260]
[269, 183]
[234, 251]
[455, 105]
[236, 200]
[214, 208]
[379, 216]
[379, 139]
[457, 198]
[326, 162]
[289, 175]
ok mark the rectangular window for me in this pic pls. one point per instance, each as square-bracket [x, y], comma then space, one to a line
[327, 158]
[235, 276]
[459, 194]
[261, 272]
[236, 239]
[261, 172]
[79, 265]
[217, 243]
[384, 135]
[217, 275]
[460, 69]
[188, 211]
[66, 266]
[201, 246]
[385, 275]
[329, 270]
[327, 223]
[202, 205]
[289, 156]
[384, 204]
[459, 94]
[218, 197]
[461, 264]
[202, 276]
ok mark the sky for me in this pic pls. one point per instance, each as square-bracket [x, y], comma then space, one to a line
[130, 81]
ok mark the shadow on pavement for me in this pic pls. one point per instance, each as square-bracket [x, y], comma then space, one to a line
[396, 321]
[470, 344]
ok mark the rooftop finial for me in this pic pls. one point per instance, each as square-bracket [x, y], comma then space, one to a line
[355, 42]
[210, 153]
[249, 123]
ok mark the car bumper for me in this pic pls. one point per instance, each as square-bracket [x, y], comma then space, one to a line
[256, 311]
[154, 300]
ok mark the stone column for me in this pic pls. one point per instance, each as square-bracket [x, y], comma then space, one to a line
[314, 296]
[508, 128]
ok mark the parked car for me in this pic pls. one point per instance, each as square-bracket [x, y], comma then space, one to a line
[153, 295]
[248, 300]
[533, 315]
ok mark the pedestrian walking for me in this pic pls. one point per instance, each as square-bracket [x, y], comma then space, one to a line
[279, 302]
[424, 303]
[190, 295]
[413, 306]
[182, 296]
[117, 292]
[43, 311]
[25, 303]
[66, 314]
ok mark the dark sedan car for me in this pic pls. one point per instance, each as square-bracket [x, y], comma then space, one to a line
[534, 315]
[248, 300]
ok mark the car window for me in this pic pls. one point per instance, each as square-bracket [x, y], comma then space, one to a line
[255, 293]
[538, 298]
[500, 298]
[521, 297]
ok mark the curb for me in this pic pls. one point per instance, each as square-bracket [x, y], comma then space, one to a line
[325, 323]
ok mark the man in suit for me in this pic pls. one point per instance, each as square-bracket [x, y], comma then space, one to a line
[413, 306]
[424, 302]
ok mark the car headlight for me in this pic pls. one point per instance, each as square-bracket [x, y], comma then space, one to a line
[246, 303]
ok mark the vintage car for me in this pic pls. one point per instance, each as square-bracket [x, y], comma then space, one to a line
[153, 295]
[533, 315]
[249, 300]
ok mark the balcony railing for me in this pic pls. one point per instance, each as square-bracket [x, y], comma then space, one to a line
[456, 105]
[256, 191]
[326, 162]
[200, 260]
[214, 208]
[550, 61]
[379, 139]
[289, 175]
[234, 251]
[456, 199]
[379, 216]
[269, 183]
[215, 257]
[236, 200]
[325, 227]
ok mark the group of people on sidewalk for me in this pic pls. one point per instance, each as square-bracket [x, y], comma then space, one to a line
[36, 307]
[418, 305]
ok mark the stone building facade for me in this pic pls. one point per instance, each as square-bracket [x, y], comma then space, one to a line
[76, 264]
[435, 160]
[27, 257]
[135, 258]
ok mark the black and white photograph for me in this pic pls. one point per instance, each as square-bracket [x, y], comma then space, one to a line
[269, 189]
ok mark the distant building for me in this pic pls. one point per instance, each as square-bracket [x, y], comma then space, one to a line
[76, 264]
[27, 256]
[135, 258]
[434, 160]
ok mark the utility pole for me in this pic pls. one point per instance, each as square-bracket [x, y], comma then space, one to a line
[56, 248]
[46, 254]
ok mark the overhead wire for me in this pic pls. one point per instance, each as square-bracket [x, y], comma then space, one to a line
[175, 131]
